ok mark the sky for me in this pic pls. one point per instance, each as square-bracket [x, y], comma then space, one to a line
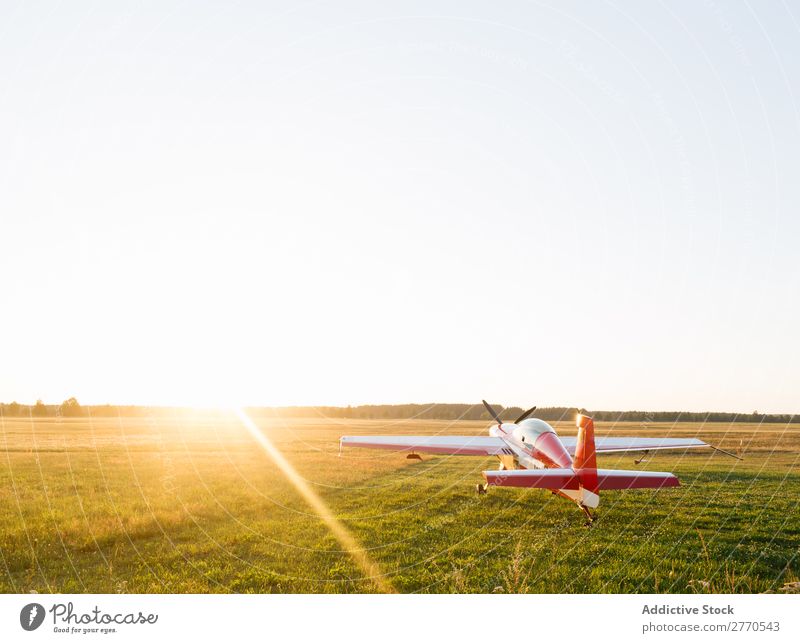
[557, 203]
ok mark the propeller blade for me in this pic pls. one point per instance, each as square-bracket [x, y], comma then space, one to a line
[524, 415]
[492, 412]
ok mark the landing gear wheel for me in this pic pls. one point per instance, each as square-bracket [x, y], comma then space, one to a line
[481, 488]
[589, 517]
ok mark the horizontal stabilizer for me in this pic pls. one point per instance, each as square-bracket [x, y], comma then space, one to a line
[536, 478]
[620, 479]
[607, 479]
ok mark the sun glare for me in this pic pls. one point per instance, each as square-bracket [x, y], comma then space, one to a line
[342, 534]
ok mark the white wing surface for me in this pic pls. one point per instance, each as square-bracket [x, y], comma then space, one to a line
[438, 444]
[620, 445]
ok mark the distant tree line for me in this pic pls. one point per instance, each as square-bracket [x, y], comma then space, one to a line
[551, 413]
[71, 408]
[68, 408]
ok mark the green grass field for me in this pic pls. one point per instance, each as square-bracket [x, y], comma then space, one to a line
[191, 503]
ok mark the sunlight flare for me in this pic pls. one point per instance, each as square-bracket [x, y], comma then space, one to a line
[348, 542]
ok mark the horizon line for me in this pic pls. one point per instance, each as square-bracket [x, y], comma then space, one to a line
[430, 405]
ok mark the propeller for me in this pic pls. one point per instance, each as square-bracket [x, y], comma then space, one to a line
[496, 415]
[524, 415]
[492, 412]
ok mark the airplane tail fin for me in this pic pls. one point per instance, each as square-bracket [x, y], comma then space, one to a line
[585, 454]
[585, 462]
[592, 480]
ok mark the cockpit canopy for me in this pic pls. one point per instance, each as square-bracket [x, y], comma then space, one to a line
[529, 430]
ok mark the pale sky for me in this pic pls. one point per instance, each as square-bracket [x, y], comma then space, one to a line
[554, 203]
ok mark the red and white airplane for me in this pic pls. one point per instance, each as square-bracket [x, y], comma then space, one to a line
[532, 455]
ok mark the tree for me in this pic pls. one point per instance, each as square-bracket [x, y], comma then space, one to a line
[69, 408]
[39, 409]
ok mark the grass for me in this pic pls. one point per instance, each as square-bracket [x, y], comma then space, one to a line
[190, 503]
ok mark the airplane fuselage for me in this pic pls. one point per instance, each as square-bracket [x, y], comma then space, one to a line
[534, 443]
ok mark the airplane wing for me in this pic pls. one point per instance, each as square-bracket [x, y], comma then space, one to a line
[620, 445]
[438, 444]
